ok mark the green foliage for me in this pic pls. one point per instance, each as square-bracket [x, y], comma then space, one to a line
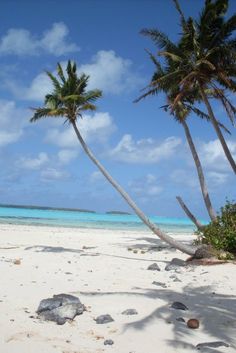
[221, 234]
[69, 98]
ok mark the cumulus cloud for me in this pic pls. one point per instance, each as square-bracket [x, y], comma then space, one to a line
[18, 41]
[53, 174]
[145, 150]
[108, 72]
[96, 177]
[111, 73]
[213, 156]
[39, 87]
[186, 177]
[217, 178]
[96, 128]
[66, 156]
[12, 120]
[146, 186]
[33, 163]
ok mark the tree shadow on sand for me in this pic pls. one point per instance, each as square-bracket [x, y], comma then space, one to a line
[216, 313]
[53, 249]
[60, 249]
[149, 244]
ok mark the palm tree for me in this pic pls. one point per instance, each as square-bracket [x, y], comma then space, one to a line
[180, 113]
[68, 100]
[202, 61]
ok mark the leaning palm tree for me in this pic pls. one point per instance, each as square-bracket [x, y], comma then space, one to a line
[69, 100]
[180, 112]
[203, 60]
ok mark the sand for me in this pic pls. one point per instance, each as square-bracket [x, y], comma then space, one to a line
[99, 267]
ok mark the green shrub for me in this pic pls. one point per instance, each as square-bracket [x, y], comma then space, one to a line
[221, 234]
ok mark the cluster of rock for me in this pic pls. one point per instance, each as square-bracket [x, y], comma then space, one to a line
[63, 307]
[172, 266]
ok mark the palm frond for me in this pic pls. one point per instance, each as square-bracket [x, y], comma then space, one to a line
[55, 82]
[40, 113]
[88, 106]
[182, 18]
[60, 72]
[154, 60]
[172, 56]
[161, 40]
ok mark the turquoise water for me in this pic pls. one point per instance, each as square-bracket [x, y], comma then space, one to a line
[61, 218]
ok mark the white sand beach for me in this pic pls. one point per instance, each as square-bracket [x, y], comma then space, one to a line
[100, 268]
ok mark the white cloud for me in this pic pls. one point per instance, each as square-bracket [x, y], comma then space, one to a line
[217, 178]
[146, 186]
[51, 174]
[9, 137]
[95, 177]
[145, 150]
[39, 87]
[53, 41]
[66, 156]
[33, 163]
[108, 72]
[186, 177]
[96, 128]
[213, 156]
[12, 120]
[111, 73]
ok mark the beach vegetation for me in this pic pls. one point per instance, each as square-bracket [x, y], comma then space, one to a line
[221, 234]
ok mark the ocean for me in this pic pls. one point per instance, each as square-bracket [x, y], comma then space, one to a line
[77, 219]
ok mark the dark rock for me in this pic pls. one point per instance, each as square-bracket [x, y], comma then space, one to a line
[205, 251]
[104, 319]
[154, 267]
[159, 284]
[51, 316]
[215, 344]
[108, 342]
[60, 308]
[67, 298]
[178, 306]
[130, 312]
[181, 319]
[64, 312]
[175, 264]
[48, 304]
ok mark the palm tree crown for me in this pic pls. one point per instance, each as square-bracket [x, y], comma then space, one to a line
[69, 97]
[201, 63]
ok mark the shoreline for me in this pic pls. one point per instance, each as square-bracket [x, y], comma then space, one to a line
[107, 270]
[142, 228]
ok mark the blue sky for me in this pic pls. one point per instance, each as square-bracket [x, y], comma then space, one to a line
[142, 147]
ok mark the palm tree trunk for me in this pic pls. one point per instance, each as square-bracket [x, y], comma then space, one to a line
[189, 214]
[182, 247]
[201, 177]
[217, 129]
